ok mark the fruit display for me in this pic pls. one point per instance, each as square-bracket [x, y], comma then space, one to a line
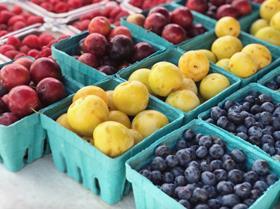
[201, 172]
[113, 124]
[62, 6]
[27, 86]
[267, 28]
[174, 26]
[185, 86]
[13, 17]
[217, 9]
[147, 4]
[111, 49]
[35, 44]
[274, 84]
[255, 118]
[111, 10]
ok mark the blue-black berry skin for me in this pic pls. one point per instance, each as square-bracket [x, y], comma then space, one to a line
[230, 200]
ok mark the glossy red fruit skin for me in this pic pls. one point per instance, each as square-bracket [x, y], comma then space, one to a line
[8, 118]
[89, 59]
[14, 74]
[23, 100]
[24, 61]
[100, 25]
[43, 68]
[218, 2]
[120, 30]
[198, 5]
[182, 16]
[243, 6]
[142, 50]
[155, 22]
[50, 90]
[227, 10]
[174, 33]
[162, 11]
[95, 43]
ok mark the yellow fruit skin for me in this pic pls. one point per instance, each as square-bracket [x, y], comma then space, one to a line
[91, 90]
[210, 55]
[226, 46]
[110, 100]
[269, 8]
[86, 113]
[136, 135]
[227, 26]
[189, 84]
[141, 75]
[62, 120]
[112, 138]
[259, 53]
[131, 97]
[242, 65]
[275, 21]
[257, 25]
[120, 117]
[213, 84]
[164, 78]
[270, 35]
[149, 121]
[184, 100]
[223, 63]
[194, 65]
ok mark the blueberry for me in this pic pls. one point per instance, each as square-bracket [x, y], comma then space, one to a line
[255, 131]
[276, 134]
[216, 151]
[261, 167]
[251, 177]
[172, 161]
[197, 137]
[219, 141]
[211, 191]
[156, 177]
[241, 128]
[240, 206]
[194, 163]
[260, 185]
[183, 192]
[200, 195]
[255, 193]
[246, 106]
[220, 174]
[205, 141]
[184, 157]
[180, 181]
[202, 206]
[210, 120]
[231, 127]
[228, 104]
[276, 123]
[159, 163]
[276, 112]
[168, 177]
[226, 157]
[168, 189]
[265, 118]
[214, 203]
[250, 99]
[192, 174]
[201, 152]
[229, 165]
[146, 173]
[222, 122]
[268, 107]
[268, 148]
[277, 144]
[243, 190]
[189, 134]
[235, 117]
[248, 202]
[216, 164]
[217, 112]
[162, 151]
[177, 171]
[249, 121]
[238, 156]
[254, 140]
[266, 138]
[255, 109]
[272, 85]
[230, 200]
[185, 203]
[271, 179]
[264, 98]
[208, 178]
[224, 207]
[242, 135]
[181, 144]
[225, 187]
[204, 165]
[235, 176]
[268, 130]
[278, 79]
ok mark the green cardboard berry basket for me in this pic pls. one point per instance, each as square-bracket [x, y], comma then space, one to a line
[198, 18]
[270, 77]
[238, 96]
[149, 196]
[245, 39]
[173, 55]
[24, 141]
[102, 175]
[64, 51]
[244, 21]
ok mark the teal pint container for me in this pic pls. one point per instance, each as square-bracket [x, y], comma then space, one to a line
[270, 77]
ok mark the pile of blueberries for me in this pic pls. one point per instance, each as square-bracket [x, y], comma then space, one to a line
[274, 84]
[255, 119]
[201, 173]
